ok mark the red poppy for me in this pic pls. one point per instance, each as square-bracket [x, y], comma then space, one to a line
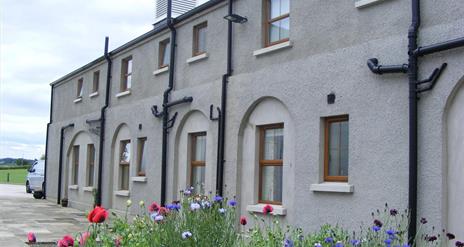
[163, 211]
[243, 220]
[67, 241]
[267, 209]
[97, 215]
[154, 207]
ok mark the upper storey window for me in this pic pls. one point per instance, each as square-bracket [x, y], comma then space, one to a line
[276, 21]
[80, 89]
[199, 39]
[164, 53]
[126, 74]
[96, 81]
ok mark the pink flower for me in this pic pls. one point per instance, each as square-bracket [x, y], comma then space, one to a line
[83, 238]
[154, 207]
[31, 237]
[117, 242]
[67, 241]
[267, 209]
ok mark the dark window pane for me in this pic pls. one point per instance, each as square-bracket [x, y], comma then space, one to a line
[271, 184]
[338, 149]
[124, 177]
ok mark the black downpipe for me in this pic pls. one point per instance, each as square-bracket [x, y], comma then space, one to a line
[222, 116]
[166, 94]
[46, 143]
[102, 124]
[412, 75]
[60, 165]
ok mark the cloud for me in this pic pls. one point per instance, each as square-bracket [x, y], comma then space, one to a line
[41, 41]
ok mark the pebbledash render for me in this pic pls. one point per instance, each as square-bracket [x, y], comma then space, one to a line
[309, 128]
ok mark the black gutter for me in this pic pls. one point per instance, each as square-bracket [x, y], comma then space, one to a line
[443, 46]
[222, 115]
[102, 124]
[167, 92]
[46, 143]
[60, 165]
[157, 29]
[412, 75]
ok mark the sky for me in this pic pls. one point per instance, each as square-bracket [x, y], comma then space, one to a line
[42, 40]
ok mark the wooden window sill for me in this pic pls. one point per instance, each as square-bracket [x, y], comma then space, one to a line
[94, 94]
[365, 3]
[273, 48]
[161, 71]
[258, 208]
[337, 187]
[121, 94]
[122, 193]
[197, 58]
[73, 187]
[88, 189]
[78, 100]
[139, 179]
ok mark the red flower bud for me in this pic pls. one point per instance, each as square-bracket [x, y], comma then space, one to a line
[267, 209]
[243, 220]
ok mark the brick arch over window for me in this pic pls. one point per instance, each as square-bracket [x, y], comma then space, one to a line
[194, 123]
[454, 141]
[266, 127]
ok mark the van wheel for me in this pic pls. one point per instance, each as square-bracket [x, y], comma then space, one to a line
[38, 195]
[28, 188]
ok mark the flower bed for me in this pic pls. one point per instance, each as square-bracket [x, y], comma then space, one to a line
[199, 221]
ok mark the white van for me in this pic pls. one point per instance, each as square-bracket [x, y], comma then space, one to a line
[35, 179]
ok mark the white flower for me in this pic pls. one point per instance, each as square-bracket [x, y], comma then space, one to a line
[317, 245]
[186, 235]
[129, 203]
[194, 206]
[222, 210]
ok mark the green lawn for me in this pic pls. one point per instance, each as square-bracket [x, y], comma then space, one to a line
[17, 176]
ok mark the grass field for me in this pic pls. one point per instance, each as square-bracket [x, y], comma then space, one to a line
[17, 176]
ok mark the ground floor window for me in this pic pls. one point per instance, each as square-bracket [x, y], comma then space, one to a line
[124, 164]
[90, 164]
[336, 149]
[197, 162]
[75, 165]
[271, 148]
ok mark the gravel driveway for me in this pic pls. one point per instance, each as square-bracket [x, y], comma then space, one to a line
[20, 213]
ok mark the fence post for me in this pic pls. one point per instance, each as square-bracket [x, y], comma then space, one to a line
[8, 177]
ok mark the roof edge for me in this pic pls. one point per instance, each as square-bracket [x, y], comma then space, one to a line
[158, 27]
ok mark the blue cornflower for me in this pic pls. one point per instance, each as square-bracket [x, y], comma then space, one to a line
[339, 244]
[218, 198]
[288, 243]
[194, 206]
[390, 232]
[329, 240]
[232, 203]
[355, 242]
[376, 228]
[387, 242]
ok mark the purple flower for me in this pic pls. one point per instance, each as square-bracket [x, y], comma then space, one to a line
[450, 236]
[218, 198]
[194, 206]
[390, 232]
[186, 235]
[376, 228]
[393, 212]
[431, 238]
[459, 244]
[153, 216]
[339, 244]
[187, 192]
[232, 203]
[288, 243]
[378, 223]
[355, 242]
[173, 206]
[423, 221]
[159, 218]
[329, 240]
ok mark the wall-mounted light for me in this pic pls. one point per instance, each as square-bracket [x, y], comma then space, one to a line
[331, 98]
[236, 18]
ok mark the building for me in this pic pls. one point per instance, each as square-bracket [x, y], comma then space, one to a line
[298, 93]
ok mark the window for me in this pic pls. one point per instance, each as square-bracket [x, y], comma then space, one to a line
[336, 149]
[197, 163]
[164, 53]
[124, 164]
[96, 81]
[90, 164]
[80, 84]
[141, 159]
[199, 39]
[75, 166]
[276, 21]
[271, 146]
[126, 74]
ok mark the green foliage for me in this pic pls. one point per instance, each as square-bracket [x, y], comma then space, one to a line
[17, 176]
